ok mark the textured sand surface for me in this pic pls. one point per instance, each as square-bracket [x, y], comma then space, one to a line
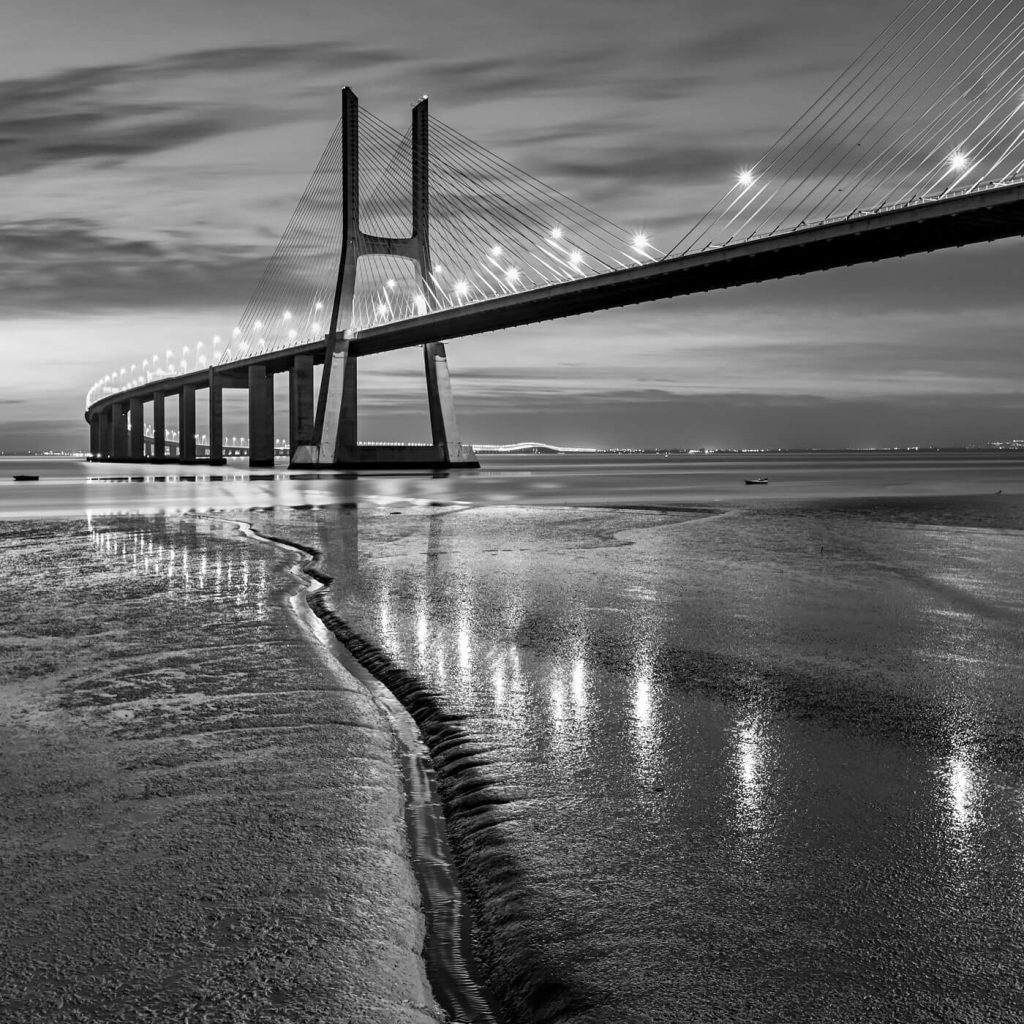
[200, 817]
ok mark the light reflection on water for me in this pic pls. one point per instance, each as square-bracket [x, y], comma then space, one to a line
[961, 782]
[184, 555]
[752, 771]
[752, 743]
[804, 755]
[645, 721]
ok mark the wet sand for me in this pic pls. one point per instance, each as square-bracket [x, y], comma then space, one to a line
[183, 837]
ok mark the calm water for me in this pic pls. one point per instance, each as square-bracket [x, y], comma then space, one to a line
[66, 486]
[765, 752]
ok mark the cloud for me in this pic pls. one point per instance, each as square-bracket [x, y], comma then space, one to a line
[524, 75]
[594, 66]
[665, 165]
[117, 111]
[54, 266]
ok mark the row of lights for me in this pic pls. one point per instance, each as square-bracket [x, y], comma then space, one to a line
[510, 274]
[461, 290]
[115, 381]
[958, 161]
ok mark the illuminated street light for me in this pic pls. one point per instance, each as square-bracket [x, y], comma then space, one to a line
[958, 161]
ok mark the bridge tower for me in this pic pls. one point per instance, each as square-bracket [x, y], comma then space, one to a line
[335, 432]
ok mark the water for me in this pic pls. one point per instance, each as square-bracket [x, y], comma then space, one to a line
[67, 486]
[760, 753]
[766, 762]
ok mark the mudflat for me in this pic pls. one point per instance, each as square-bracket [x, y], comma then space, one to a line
[200, 815]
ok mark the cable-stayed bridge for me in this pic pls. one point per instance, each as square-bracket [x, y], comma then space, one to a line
[420, 238]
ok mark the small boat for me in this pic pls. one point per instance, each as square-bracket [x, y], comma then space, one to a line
[25, 476]
[757, 480]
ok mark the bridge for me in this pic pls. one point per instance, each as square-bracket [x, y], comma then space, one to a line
[918, 145]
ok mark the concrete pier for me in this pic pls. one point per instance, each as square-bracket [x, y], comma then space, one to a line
[137, 447]
[444, 430]
[187, 424]
[105, 418]
[261, 416]
[300, 402]
[159, 428]
[120, 425]
[216, 386]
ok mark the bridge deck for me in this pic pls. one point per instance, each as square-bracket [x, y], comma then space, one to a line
[947, 223]
[979, 216]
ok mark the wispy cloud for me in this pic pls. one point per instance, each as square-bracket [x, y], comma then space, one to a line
[117, 111]
[51, 267]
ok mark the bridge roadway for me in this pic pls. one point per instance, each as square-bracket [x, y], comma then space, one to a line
[982, 215]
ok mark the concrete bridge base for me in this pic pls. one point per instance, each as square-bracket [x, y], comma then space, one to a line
[389, 457]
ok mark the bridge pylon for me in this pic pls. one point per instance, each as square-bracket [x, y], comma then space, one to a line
[335, 440]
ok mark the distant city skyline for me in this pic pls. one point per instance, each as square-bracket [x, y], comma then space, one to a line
[152, 161]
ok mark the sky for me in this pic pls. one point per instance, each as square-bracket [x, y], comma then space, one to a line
[151, 154]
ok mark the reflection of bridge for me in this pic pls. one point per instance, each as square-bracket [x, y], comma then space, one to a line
[917, 146]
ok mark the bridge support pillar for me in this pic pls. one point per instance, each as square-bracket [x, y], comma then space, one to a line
[137, 444]
[300, 403]
[337, 419]
[187, 424]
[106, 422]
[159, 428]
[441, 402]
[95, 450]
[216, 419]
[119, 412]
[261, 416]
